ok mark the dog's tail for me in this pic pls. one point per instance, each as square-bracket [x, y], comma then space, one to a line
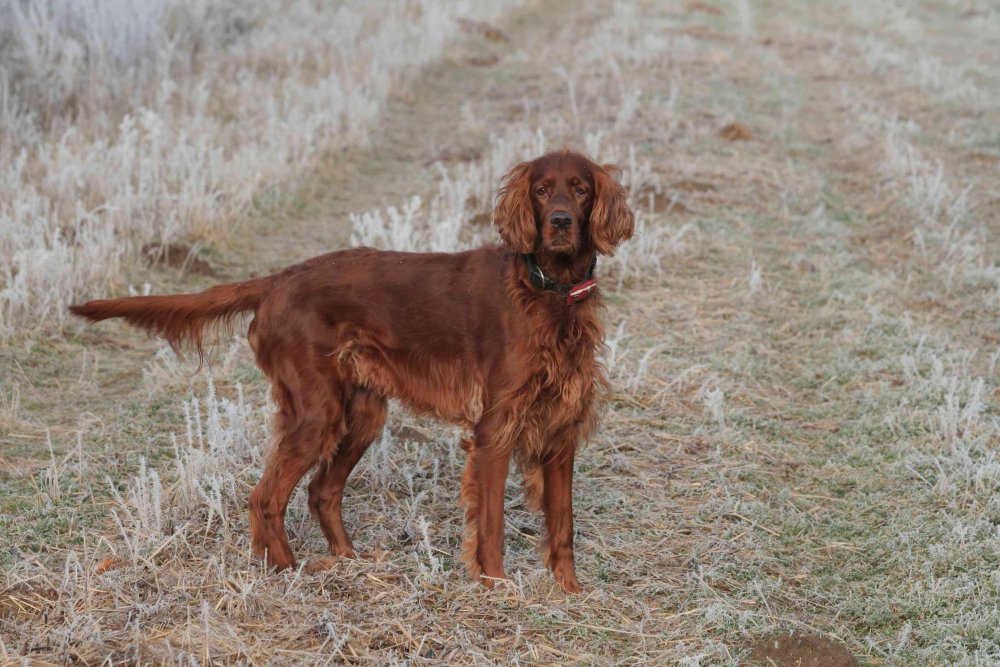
[181, 318]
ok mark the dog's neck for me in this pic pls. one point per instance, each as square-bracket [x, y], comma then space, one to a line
[569, 276]
[566, 269]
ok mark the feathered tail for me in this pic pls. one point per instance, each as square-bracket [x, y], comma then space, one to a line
[180, 318]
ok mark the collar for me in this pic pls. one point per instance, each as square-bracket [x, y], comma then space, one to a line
[574, 292]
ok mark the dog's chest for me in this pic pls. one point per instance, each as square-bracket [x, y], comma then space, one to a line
[563, 352]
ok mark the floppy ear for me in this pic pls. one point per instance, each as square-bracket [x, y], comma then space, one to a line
[513, 213]
[611, 220]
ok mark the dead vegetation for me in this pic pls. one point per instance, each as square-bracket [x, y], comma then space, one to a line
[802, 341]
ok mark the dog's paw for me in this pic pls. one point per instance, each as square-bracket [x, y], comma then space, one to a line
[493, 583]
[321, 564]
[565, 575]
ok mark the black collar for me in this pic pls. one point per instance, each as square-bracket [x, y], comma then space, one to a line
[573, 292]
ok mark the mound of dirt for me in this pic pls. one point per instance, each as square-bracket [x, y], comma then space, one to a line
[736, 132]
[795, 650]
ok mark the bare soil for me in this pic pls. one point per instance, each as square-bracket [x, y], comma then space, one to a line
[800, 650]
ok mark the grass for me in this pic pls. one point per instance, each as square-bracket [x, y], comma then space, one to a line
[131, 125]
[803, 434]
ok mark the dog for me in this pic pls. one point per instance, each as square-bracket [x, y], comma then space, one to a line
[501, 340]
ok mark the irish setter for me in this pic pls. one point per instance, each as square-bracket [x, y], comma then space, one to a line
[500, 340]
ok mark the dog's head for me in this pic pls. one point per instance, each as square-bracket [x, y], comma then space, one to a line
[563, 204]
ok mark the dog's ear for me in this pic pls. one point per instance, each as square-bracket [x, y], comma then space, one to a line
[513, 213]
[611, 220]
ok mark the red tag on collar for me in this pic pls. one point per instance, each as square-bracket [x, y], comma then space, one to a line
[581, 291]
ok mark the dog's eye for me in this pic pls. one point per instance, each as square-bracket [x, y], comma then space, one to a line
[540, 192]
[580, 190]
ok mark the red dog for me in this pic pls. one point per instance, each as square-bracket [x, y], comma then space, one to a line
[500, 340]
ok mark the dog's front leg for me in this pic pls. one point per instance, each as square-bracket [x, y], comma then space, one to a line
[557, 503]
[483, 496]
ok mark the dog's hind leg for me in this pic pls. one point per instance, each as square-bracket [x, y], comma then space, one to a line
[309, 425]
[366, 412]
[269, 499]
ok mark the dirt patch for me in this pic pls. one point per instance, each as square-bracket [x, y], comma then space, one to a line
[794, 650]
[736, 132]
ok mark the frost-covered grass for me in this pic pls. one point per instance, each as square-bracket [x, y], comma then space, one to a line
[803, 433]
[129, 125]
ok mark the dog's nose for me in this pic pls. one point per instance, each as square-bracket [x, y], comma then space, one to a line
[561, 220]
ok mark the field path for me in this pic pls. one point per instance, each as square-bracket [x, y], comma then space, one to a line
[804, 351]
[426, 124]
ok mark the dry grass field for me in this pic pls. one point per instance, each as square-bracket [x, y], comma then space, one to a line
[804, 341]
